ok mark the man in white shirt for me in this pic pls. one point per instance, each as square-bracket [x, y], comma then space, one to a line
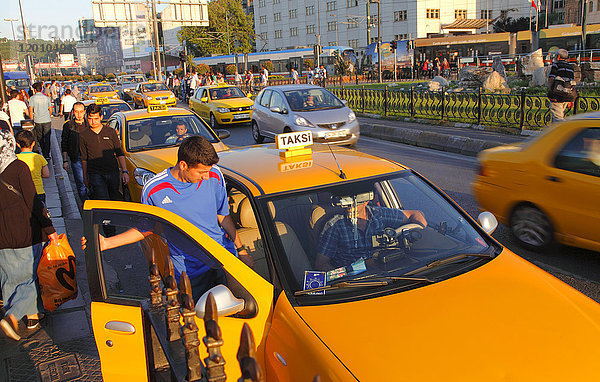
[66, 104]
[17, 109]
[310, 75]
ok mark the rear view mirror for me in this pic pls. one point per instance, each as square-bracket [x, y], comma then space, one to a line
[227, 303]
[487, 221]
[222, 134]
[276, 109]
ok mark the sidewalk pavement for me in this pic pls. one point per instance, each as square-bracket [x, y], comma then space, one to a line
[452, 138]
[64, 347]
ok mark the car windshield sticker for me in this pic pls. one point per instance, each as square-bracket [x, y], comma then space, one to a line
[314, 279]
[353, 269]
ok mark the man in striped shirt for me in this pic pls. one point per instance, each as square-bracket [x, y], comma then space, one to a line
[564, 71]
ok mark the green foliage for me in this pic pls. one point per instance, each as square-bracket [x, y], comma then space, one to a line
[87, 78]
[341, 66]
[122, 73]
[309, 63]
[178, 72]
[202, 68]
[269, 65]
[110, 76]
[230, 69]
[98, 77]
[138, 72]
[222, 15]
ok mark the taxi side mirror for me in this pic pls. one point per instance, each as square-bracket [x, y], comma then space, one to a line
[276, 109]
[204, 99]
[249, 95]
[222, 134]
[487, 221]
[227, 303]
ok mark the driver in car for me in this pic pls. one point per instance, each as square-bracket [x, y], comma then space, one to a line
[348, 237]
[181, 133]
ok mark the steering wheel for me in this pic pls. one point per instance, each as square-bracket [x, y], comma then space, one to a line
[408, 227]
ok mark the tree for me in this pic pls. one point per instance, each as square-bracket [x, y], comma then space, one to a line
[202, 68]
[110, 76]
[269, 66]
[309, 63]
[511, 25]
[230, 69]
[204, 41]
[342, 67]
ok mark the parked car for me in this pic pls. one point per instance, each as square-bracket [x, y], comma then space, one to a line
[288, 108]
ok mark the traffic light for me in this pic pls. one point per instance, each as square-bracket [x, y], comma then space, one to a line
[181, 56]
[393, 45]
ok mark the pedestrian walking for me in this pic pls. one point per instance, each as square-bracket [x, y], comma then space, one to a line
[69, 144]
[55, 96]
[75, 92]
[38, 165]
[40, 108]
[310, 75]
[24, 228]
[561, 86]
[322, 75]
[17, 110]
[237, 78]
[66, 104]
[264, 77]
[295, 78]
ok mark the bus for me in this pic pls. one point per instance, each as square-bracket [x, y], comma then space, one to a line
[20, 80]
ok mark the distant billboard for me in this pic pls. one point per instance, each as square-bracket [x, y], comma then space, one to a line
[109, 47]
[403, 54]
[112, 13]
[66, 60]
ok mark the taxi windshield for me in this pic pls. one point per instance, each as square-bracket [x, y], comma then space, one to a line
[155, 87]
[101, 89]
[169, 130]
[226, 92]
[378, 231]
[131, 79]
[110, 109]
[312, 99]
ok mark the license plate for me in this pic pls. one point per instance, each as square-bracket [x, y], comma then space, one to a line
[241, 116]
[335, 134]
[163, 102]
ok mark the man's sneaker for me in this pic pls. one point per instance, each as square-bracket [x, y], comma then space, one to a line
[8, 329]
[33, 323]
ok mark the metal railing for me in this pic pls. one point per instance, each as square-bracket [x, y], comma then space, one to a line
[515, 110]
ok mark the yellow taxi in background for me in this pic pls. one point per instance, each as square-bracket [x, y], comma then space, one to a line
[109, 106]
[152, 93]
[100, 90]
[363, 271]
[222, 105]
[150, 140]
[547, 189]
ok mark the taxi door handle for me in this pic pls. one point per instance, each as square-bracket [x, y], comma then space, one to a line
[120, 326]
[553, 178]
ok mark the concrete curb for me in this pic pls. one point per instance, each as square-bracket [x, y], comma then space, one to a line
[451, 143]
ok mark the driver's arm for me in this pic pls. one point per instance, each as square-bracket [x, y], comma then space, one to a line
[415, 216]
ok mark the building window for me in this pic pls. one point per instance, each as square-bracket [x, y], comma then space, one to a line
[331, 26]
[294, 31]
[373, 39]
[277, 16]
[261, 3]
[310, 29]
[278, 33]
[331, 6]
[276, 1]
[400, 16]
[263, 19]
[433, 13]
[310, 10]
[351, 4]
[486, 13]
[264, 36]
[558, 4]
[353, 43]
[292, 13]
[402, 36]
[460, 13]
[352, 23]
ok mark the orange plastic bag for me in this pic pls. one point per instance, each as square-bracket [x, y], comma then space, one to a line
[56, 274]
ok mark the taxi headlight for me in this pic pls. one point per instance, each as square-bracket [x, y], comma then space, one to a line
[301, 121]
[223, 110]
[172, 95]
[351, 116]
[142, 176]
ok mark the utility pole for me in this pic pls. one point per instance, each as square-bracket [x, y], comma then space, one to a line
[379, 55]
[227, 22]
[156, 41]
[584, 7]
[27, 56]
[319, 35]
[368, 23]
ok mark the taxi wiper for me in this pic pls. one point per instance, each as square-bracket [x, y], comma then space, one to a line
[380, 281]
[447, 260]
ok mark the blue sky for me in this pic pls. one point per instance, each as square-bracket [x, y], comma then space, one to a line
[45, 16]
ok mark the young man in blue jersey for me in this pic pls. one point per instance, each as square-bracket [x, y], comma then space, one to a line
[194, 189]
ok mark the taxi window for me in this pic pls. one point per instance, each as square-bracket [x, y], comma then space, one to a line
[110, 109]
[115, 124]
[277, 101]
[155, 87]
[266, 98]
[204, 94]
[581, 154]
[226, 93]
[102, 88]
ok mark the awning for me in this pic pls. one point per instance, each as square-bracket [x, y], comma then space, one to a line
[467, 24]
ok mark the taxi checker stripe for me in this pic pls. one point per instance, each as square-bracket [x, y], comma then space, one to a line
[161, 186]
[211, 174]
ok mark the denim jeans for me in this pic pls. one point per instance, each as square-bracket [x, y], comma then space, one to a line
[78, 176]
[105, 186]
[18, 275]
[42, 135]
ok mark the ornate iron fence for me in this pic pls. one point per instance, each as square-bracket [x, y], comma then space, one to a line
[515, 110]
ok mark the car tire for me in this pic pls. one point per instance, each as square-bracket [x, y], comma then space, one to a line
[531, 227]
[213, 122]
[258, 138]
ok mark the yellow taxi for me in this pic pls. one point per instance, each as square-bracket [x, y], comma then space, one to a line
[547, 189]
[363, 271]
[152, 93]
[100, 90]
[150, 139]
[109, 106]
[222, 104]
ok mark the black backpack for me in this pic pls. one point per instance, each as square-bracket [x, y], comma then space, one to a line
[562, 90]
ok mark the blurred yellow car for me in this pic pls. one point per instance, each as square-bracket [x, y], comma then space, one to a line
[363, 271]
[100, 90]
[150, 141]
[222, 105]
[109, 106]
[547, 189]
[152, 93]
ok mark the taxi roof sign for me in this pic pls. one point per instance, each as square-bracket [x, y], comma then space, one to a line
[156, 108]
[102, 101]
[294, 144]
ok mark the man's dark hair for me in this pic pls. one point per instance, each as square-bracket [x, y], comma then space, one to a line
[196, 149]
[14, 94]
[25, 138]
[37, 86]
[68, 91]
[79, 103]
[93, 109]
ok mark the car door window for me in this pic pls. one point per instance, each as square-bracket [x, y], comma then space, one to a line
[266, 98]
[204, 94]
[277, 101]
[581, 154]
[115, 124]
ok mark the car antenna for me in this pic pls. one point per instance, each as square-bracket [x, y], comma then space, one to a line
[341, 174]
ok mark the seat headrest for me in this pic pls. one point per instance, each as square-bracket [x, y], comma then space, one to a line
[247, 218]
[317, 213]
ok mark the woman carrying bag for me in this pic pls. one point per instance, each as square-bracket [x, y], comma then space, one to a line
[23, 226]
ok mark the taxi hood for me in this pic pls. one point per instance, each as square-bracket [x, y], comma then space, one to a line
[504, 321]
[159, 159]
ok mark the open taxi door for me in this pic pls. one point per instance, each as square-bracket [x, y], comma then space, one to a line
[129, 341]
